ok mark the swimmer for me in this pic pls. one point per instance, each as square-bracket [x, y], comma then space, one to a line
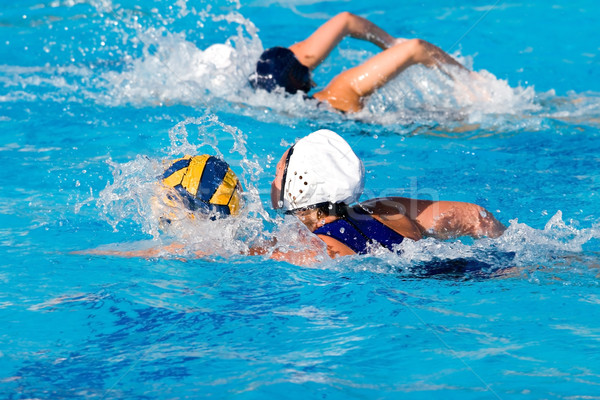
[190, 187]
[290, 68]
[319, 178]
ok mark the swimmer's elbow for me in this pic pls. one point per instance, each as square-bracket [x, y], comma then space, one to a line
[349, 21]
[345, 16]
[488, 224]
[497, 229]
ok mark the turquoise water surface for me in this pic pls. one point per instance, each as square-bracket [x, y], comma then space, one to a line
[95, 94]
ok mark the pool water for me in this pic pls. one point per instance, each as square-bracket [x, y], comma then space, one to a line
[96, 94]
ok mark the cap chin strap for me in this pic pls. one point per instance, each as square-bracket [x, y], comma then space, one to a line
[338, 208]
[283, 179]
[306, 208]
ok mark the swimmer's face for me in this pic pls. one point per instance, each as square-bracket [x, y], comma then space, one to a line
[276, 184]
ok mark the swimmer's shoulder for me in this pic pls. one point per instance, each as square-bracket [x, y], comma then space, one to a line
[393, 213]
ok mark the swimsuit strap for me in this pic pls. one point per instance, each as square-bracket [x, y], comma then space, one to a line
[374, 229]
[357, 229]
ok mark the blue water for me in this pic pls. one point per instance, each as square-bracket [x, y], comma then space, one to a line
[95, 94]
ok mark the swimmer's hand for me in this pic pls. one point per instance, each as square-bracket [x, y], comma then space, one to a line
[312, 254]
[472, 88]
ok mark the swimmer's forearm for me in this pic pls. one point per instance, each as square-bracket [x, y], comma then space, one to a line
[361, 28]
[313, 50]
[154, 252]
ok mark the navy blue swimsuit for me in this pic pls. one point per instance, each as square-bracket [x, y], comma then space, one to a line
[358, 230]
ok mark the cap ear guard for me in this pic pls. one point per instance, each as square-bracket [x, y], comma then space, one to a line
[284, 177]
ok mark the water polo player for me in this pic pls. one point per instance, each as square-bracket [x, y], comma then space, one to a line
[190, 187]
[290, 68]
[319, 178]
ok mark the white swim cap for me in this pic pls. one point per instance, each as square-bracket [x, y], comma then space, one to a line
[322, 168]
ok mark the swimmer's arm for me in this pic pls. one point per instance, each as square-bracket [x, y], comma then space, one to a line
[308, 257]
[154, 252]
[313, 50]
[451, 219]
[347, 90]
[293, 257]
[401, 224]
[394, 212]
[301, 257]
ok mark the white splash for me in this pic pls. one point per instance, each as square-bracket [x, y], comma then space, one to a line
[173, 70]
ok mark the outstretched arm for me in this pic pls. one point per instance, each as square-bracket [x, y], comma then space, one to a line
[300, 257]
[313, 50]
[153, 252]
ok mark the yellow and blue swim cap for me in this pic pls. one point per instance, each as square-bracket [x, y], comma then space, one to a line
[205, 183]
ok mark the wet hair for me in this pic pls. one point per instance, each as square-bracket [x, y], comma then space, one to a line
[279, 67]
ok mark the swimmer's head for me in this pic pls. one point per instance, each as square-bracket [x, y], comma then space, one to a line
[320, 168]
[203, 183]
[279, 67]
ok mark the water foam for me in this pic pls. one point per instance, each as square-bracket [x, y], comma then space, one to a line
[557, 246]
[423, 95]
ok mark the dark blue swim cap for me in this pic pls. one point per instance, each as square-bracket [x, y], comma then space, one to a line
[278, 66]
